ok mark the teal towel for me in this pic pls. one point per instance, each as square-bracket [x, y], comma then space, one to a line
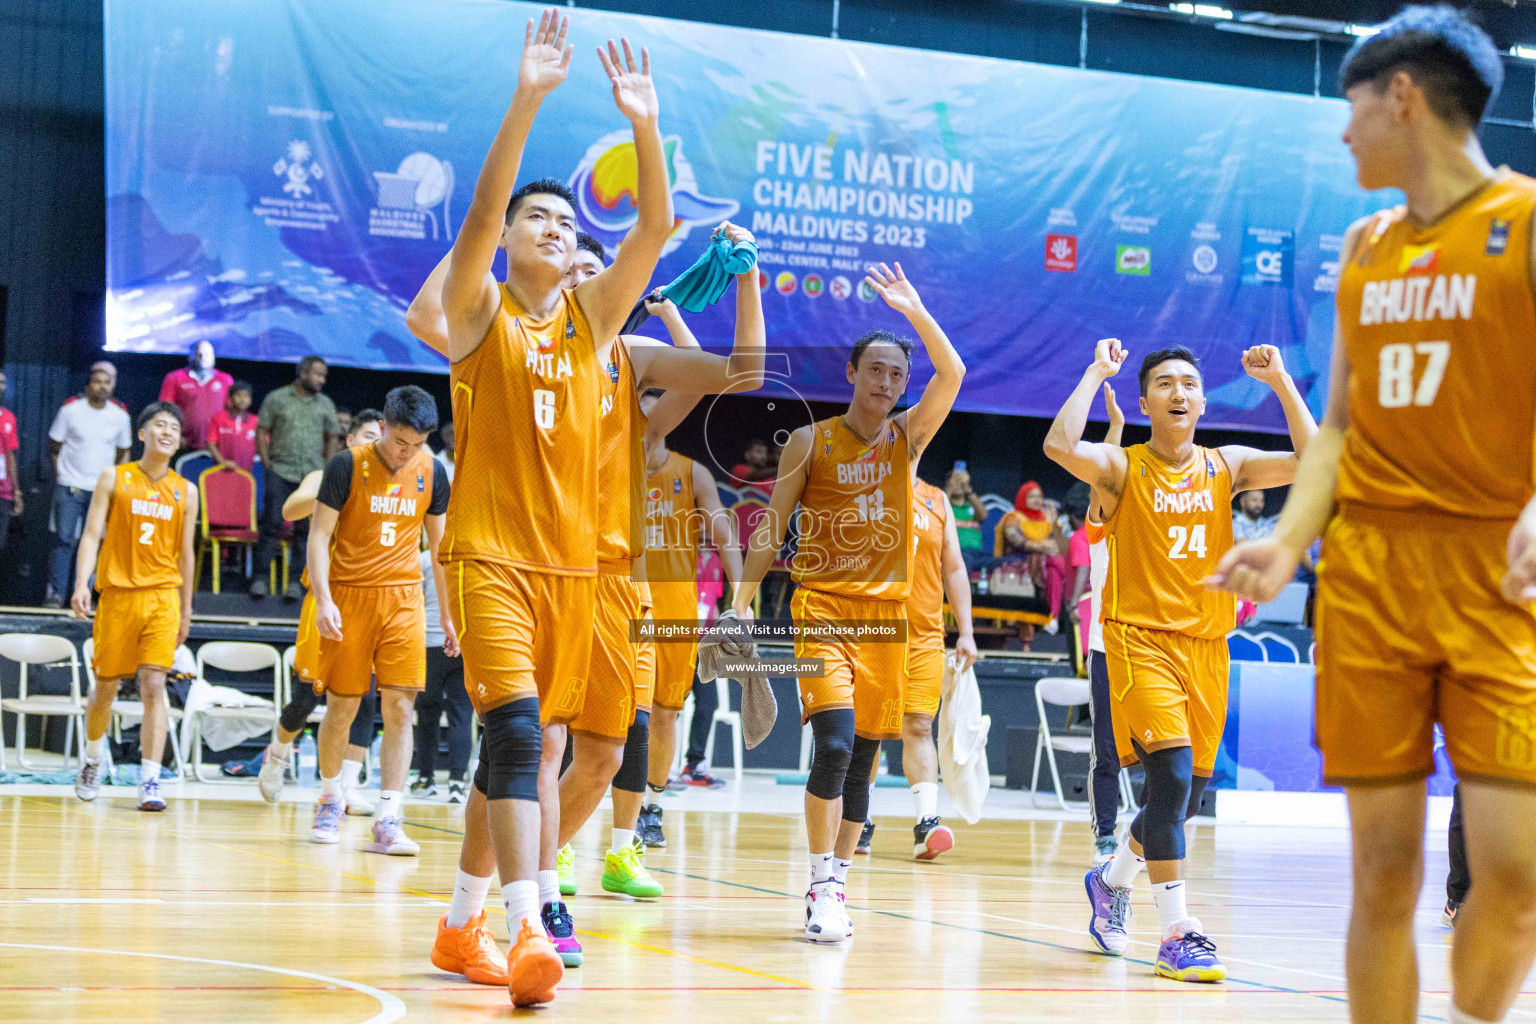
[703, 283]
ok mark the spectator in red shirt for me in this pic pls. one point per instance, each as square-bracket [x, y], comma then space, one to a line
[759, 466]
[10, 486]
[232, 430]
[199, 390]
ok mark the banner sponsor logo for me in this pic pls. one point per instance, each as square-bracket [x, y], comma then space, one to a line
[1135, 260]
[1061, 253]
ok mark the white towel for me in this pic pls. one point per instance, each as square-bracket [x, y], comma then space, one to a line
[223, 733]
[963, 733]
[729, 639]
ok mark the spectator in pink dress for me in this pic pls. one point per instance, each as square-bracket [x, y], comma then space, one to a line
[232, 430]
[10, 486]
[200, 391]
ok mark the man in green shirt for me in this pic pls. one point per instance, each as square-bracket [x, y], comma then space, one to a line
[968, 510]
[296, 432]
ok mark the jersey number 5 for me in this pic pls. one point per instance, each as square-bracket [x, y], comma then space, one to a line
[1395, 387]
[387, 533]
[1185, 541]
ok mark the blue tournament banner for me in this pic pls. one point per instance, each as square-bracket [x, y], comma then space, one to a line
[283, 174]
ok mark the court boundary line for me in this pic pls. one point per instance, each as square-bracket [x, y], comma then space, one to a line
[391, 1007]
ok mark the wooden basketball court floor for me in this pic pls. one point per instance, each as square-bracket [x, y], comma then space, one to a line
[221, 910]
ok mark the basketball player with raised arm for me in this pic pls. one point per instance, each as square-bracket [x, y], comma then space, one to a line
[611, 729]
[1420, 483]
[1167, 520]
[851, 476]
[141, 524]
[365, 531]
[521, 545]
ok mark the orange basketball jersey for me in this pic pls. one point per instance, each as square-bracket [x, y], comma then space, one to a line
[672, 524]
[925, 607]
[855, 514]
[1170, 529]
[378, 530]
[1439, 322]
[141, 547]
[525, 411]
[620, 464]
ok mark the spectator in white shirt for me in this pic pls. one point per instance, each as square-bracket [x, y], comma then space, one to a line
[88, 435]
[1249, 521]
[445, 432]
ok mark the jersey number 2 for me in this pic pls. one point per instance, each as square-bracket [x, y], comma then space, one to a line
[146, 532]
[1395, 389]
[1185, 541]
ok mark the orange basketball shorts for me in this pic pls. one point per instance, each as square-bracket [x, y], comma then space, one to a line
[614, 677]
[675, 659]
[1411, 630]
[925, 679]
[523, 634]
[383, 637]
[133, 628]
[1166, 690]
[306, 655]
[870, 677]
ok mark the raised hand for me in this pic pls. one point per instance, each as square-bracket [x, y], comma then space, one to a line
[659, 305]
[546, 57]
[633, 91]
[1108, 357]
[1263, 363]
[1256, 571]
[1116, 417]
[895, 289]
[735, 232]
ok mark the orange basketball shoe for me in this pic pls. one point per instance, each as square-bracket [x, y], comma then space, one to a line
[470, 951]
[533, 967]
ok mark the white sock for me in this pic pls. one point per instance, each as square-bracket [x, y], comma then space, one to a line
[95, 749]
[350, 774]
[1461, 1017]
[549, 887]
[1171, 908]
[149, 770]
[622, 837]
[468, 897]
[926, 796]
[1123, 868]
[391, 803]
[521, 900]
[840, 870]
[278, 752]
[330, 789]
[821, 867]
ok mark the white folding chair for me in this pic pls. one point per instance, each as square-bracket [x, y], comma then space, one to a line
[1244, 646]
[234, 656]
[1278, 649]
[1058, 692]
[129, 711]
[46, 650]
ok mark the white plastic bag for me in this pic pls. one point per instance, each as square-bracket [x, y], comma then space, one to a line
[963, 731]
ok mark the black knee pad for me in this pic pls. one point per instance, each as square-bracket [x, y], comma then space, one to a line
[637, 749]
[1170, 777]
[570, 753]
[511, 745]
[365, 719]
[833, 752]
[856, 785]
[300, 707]
[1196, 791]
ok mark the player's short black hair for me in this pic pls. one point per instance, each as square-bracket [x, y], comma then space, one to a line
[154, 409]
[542, 187]
[884, 338]
[411, 406]
[364, 418]
[306, 363]
[1076, 502]
[1162, 355]
[240, 385]
[592, 245]
[1442, 50]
